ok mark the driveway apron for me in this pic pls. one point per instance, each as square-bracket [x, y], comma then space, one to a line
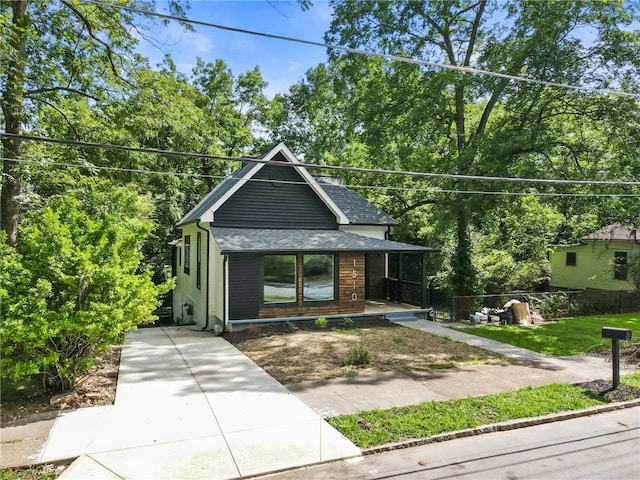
[190, 405]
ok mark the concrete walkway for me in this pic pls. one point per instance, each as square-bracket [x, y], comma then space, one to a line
[190, 405]
[394, 389]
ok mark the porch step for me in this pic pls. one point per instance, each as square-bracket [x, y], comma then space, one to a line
[400, 316]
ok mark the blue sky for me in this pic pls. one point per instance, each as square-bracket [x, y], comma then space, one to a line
[282, 63]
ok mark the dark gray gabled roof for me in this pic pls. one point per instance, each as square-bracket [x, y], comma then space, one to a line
[252, 240]
[358, 209]
[214, 195]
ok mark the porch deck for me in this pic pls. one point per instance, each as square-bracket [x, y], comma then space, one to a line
[381, 307]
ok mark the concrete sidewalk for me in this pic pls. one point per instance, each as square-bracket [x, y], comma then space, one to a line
[394, 389]
[190, 405]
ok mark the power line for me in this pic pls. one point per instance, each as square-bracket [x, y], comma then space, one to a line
[448, 176]
[371, 53]
[433, 191]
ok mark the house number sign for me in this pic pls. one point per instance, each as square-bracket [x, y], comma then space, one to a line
[354, 275]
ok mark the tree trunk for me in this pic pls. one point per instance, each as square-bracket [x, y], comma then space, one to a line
[464, 274]
[12, 107]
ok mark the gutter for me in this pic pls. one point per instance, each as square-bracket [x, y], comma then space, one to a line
[206, 303]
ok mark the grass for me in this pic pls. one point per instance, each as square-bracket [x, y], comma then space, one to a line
[568, 336]
[377, 427]
[40, 472]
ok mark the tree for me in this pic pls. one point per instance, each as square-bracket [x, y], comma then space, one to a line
[53, 50]
[74, 285]
[440, 120]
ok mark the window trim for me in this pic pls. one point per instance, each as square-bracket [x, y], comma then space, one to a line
[187, 254]
[620, 267]
[574, 262]
[198, 260]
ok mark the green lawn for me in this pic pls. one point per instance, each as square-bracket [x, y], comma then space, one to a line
[377, 427]
[568, 336]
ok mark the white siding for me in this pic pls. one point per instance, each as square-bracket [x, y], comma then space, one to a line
[187, 291]
[371, 231]
[594, 265]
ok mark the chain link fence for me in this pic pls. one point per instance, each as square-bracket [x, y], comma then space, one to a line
[551, 305]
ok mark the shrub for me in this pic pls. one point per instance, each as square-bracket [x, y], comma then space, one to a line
[290, 326]
[347, 322]
[321, 322]
[358, 355]
[75, 284]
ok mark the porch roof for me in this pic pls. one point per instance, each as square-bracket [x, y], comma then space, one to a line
[250, 240]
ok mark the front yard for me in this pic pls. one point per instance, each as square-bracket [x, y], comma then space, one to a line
[318, 354]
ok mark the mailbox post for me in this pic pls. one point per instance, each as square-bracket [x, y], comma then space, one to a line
[616, 334]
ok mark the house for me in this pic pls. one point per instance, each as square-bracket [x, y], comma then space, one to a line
[272, 242]
[603, 260]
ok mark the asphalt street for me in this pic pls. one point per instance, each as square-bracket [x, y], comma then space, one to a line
[603, 446]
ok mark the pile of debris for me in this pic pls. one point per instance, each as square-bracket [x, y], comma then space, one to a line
[513, 311]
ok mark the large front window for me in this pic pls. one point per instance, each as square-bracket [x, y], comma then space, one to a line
[280, 278]
[318, 277]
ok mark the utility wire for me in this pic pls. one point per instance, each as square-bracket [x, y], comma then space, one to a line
[448, 176]
[433, 191]
[371, 53]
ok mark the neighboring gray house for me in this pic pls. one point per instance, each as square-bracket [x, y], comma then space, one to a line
[273, 242]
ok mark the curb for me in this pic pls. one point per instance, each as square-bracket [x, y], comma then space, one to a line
[502, 427]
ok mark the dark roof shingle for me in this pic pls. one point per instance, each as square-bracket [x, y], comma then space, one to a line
[253, 240]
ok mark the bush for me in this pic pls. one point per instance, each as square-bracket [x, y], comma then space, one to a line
[358, 355]
[321, 322]
[290, 327]
[74, 284]
[347, 322]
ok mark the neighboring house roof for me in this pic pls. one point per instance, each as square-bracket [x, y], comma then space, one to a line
[251, 240]
[348, 206]
[357, 208]
[615, 231]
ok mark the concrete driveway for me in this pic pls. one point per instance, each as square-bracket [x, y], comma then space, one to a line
[190, 405]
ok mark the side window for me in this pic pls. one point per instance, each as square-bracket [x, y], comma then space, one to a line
[179, 256]
[571, 259]
[620, 262]
[187, 253]
[198, 258]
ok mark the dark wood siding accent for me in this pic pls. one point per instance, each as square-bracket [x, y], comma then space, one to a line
[350, 299]
[264, 204]
[245, 297]
[375, 275]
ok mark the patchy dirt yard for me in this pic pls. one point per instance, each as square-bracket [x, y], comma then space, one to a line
[320, 354]
[97, 387]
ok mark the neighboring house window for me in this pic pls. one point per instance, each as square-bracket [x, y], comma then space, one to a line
[179, 256]
[198, 257]
[571, 259]
[187, 253]
[318, 277]
[280, 278]
[620, 265]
